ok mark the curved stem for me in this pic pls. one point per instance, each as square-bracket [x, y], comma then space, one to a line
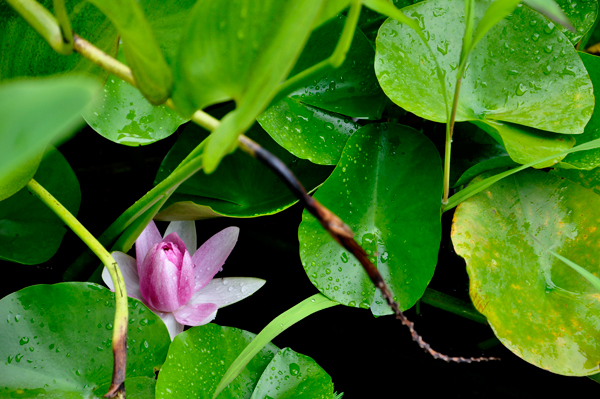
[119, 340]
[60, 10]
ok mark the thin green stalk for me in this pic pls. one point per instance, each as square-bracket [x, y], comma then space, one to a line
[63, 19]
[119, 343]
[44, 23]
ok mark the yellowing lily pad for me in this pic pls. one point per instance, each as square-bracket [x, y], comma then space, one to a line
[539, 307]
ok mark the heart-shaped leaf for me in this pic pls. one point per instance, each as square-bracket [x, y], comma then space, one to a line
[33, 112]
[241, 187]
[24, 53]
[199, 357]
[31, 233]
[293, 375]
[588, 159]
[56, 341]
[307, 123]
[540, 308]
[122, 114]
[387, 188]
[544, 83]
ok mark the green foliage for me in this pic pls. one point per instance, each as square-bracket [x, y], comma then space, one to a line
[45, 350]
[539, 308]
[380, 190]
[32, 233]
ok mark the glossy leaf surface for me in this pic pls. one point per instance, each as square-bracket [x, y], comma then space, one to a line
[31, 233]
[147, 62]
[241, 51]
[575, 19]
[387, 188]
[122, 114]
[241, 187]
[524, 144]
[539, 308]
[588, 159]
[24, 53]
[544, 83]
[293, 375]
[46, 350]
[589, 179]
[33, 112]
[199, 357]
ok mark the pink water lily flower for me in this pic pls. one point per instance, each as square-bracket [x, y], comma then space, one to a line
[176, 281]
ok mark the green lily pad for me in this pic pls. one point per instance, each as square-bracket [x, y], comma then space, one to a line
[525, 144]
[30, 233]
[539, 307]
[293, 375]
[57, 340]
[370, 21]
[241, 187]
[589, 179]
[142, 51]
[55, 104]
[308, 122]
[544, 83]
[387, 187]
[200, 356]
[23, 52]
[122, 114]
[588, 159]
[580, 15]
[504, 162]
[136, 387]
[245, 52]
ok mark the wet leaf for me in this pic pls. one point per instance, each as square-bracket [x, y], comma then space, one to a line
[588, 159]
[56, 341]
[308, 123]
[241, 187]
[137, 388]
[574, 19]
[293, 375]
[589, 179]
[24, 53]
[33, 112]
[199, 357]
[503, 162]
[539, 308]
[31, 233]
[387, 188]
[122, 114]
[544, 83]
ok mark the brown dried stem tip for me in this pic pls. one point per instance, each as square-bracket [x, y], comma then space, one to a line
[345, 237]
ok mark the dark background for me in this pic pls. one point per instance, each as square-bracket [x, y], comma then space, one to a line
[365, 356]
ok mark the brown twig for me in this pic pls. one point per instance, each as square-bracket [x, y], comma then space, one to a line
[345, 237]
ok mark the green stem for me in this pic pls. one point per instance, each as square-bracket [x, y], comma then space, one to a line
[121, 310]
[44, 23]
[65, 23]
[336, 59]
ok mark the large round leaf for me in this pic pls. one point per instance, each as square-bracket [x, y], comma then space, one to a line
[30, 232]
[588, 159]
[23, 52]
[33, 112]
[581, 15]
[293, 375]
[57, 341]
[387, 188]
[544, 83]
[539, 308]
[199, 357]
[241, 187]
[122, 114]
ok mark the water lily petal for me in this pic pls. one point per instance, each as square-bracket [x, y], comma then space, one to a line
[225, 291]
[149, 237]
[186, 230]
[173, 326]
[196, 314]
[129, 271]
[212, 255]
[159, 281]
[186, 279]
